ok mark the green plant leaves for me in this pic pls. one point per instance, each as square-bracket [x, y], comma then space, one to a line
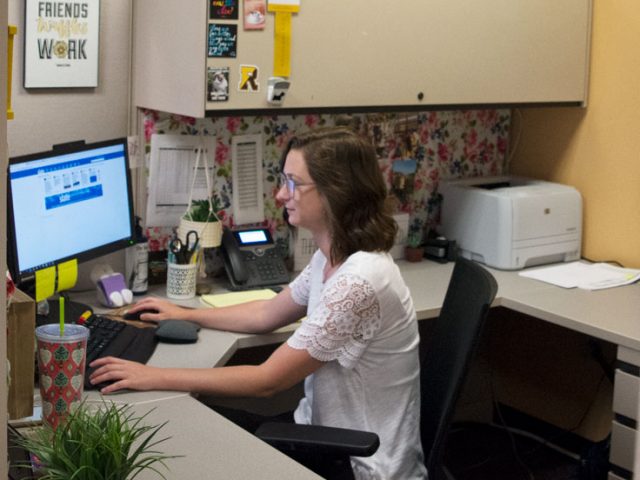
[109, 443]
[200, 210]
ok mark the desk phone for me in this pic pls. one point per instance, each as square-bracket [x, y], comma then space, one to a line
[251, 259]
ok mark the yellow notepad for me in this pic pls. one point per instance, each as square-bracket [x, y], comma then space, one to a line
[234, 298]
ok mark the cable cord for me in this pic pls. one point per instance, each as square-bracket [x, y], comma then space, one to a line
[512, 439]
[543, 442]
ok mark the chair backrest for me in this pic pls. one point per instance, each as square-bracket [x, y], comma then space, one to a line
[455, 338]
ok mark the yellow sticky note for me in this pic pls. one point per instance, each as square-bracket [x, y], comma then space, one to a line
[234, 298]
[67, 275]
[45, 283]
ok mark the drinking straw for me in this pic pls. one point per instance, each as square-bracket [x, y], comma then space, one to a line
[61, 309]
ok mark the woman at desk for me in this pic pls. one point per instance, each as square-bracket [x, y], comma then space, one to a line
[357, 350]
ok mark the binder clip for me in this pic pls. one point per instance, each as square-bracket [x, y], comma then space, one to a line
[277, 88]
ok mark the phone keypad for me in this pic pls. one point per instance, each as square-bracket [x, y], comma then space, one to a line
[268, 266]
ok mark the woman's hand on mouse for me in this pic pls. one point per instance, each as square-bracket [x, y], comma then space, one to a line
[156, 310]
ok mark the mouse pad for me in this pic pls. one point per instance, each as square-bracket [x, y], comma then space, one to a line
[177, 331]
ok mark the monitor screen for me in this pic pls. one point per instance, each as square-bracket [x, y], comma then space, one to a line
[70, 202]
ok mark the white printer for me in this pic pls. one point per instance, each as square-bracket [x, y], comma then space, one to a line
[512, 222]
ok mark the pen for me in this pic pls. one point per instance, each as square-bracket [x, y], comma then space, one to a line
[194, 255]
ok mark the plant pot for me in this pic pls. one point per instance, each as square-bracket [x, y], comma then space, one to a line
[209, 233]
[413, 254]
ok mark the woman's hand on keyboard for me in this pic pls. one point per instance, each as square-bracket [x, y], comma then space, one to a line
[118, 374]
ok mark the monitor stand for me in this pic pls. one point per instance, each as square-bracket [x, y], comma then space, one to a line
[72, 311]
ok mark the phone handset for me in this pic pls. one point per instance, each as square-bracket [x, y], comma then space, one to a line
[234, 263]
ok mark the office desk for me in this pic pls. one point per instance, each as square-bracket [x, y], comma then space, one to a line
[212, 447]
[612, 315]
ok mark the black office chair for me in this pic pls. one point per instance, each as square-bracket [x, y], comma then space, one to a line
[453, 344]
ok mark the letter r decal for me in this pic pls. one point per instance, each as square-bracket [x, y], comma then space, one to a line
[248, 78]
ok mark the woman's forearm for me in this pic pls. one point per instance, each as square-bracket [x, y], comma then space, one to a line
[235, 381]
[245, 318]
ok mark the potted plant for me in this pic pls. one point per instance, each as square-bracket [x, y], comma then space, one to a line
[108, 443]
[414, 251]
[202, 217]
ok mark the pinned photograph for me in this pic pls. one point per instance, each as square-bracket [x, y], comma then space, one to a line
[254, 14]
[218, 84]
[404, 172]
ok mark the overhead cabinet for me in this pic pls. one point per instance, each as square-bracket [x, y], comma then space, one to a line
[363, 54]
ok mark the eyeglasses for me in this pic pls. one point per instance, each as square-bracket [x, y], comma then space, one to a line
[290, 183]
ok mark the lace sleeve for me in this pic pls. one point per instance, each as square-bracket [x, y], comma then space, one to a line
[345, 320]
[301, 286]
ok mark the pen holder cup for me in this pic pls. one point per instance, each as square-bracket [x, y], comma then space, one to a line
[181, 280]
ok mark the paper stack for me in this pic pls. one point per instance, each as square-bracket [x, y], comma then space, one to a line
[589, 276]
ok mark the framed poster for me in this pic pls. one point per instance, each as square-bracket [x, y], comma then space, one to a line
[61, 43]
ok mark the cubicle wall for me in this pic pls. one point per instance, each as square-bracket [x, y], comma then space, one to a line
[447, 144]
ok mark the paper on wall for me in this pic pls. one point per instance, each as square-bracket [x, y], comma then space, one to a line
[171, 170]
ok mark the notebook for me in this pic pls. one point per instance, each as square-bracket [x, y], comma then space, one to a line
[234, 298]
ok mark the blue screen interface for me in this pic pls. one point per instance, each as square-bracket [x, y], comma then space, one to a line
[68, 204]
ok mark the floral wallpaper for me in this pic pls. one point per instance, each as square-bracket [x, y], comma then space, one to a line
[415, 151]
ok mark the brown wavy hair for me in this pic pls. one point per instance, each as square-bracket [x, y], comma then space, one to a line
[346, 173]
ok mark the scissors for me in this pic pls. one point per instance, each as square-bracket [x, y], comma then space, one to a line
[183, 251]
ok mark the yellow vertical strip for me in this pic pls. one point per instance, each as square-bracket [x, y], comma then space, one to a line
[282, 45]
[12, 33]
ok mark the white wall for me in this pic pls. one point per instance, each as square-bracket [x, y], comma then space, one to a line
[44, 117]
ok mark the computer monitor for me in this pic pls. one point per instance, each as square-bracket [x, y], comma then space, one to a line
[72, 202]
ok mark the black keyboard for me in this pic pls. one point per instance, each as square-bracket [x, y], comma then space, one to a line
[109, 337]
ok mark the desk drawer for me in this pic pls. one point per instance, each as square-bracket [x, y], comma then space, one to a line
[629, 356]
[625, 395]
[623, 446]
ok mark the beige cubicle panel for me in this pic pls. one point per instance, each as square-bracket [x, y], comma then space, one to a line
[371, 54]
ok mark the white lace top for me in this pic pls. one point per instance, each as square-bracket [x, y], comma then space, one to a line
[363, 324]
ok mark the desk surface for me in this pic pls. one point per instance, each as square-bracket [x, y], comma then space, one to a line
[214, 445]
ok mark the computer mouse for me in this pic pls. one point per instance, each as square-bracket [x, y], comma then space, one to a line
[136, 315]
[177, 331]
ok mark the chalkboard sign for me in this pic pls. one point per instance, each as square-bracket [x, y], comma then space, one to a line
[223, 40]
[223, 9]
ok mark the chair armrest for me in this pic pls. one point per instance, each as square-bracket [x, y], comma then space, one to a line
[293, 437]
